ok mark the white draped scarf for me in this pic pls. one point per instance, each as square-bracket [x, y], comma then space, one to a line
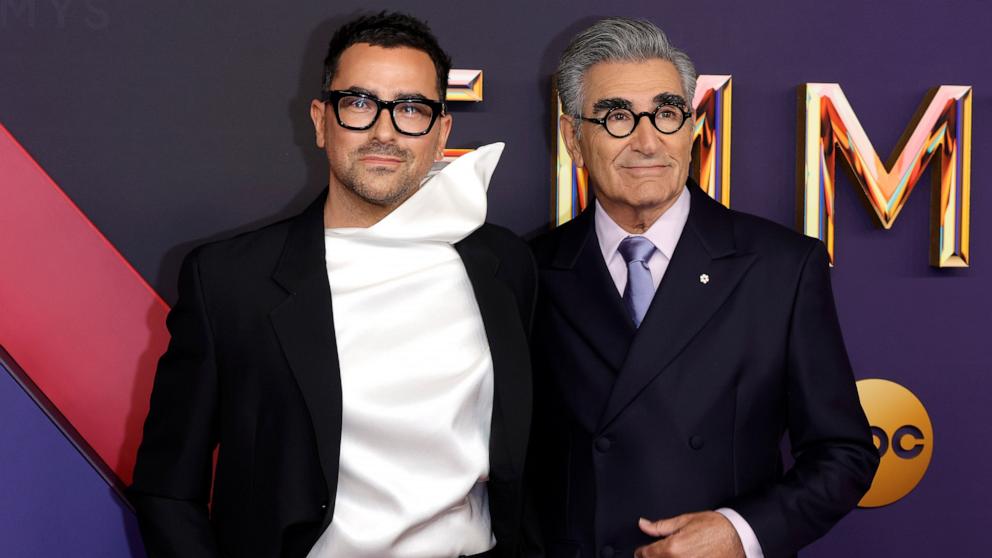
[416, 376]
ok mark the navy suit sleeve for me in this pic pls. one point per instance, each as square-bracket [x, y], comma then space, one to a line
[172, 475]
[835, 459]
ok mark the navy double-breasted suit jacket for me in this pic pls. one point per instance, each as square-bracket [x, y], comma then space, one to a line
[688, 412]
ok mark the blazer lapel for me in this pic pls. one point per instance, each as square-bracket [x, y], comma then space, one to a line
[304, 325]
[704, 270]
[512, 388]
[584, 292]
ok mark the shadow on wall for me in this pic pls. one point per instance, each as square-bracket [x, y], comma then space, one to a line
[310, 84]
[550, 57]
[141, 389]
[298, 111]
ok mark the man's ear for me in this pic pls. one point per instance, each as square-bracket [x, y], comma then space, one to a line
[692, 126]
[444, 125]
[317, 109]
[567, 125]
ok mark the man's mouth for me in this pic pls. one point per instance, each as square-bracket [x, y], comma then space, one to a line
[380, 160]
[645, 169]
[377, 154]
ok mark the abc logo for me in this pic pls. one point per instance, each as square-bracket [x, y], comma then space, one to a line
[903, 435]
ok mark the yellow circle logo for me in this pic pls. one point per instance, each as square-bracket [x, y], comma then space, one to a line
[903, 435]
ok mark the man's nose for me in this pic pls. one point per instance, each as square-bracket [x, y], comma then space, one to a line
[383, 130]
[645, 139]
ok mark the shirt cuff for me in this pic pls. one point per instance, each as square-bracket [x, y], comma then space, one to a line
[752, 548]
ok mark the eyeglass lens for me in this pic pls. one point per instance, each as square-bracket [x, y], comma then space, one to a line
[410, 117]
[667, 119]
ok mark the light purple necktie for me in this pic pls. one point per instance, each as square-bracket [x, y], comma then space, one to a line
[636, 251]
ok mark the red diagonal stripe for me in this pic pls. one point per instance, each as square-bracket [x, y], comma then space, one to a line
[79, 319]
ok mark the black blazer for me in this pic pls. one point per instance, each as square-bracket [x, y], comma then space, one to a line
[252, 367]
[687, 412]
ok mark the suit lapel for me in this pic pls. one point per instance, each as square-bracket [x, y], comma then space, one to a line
[304, 325]
[511, 366]
[704, 270]
[584, 291]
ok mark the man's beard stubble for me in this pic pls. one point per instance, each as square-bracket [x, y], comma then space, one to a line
[360, 182]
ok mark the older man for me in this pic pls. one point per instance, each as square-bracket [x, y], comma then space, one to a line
[677, 341]
[362, 368]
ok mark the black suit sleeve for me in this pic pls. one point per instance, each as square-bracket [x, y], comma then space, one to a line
[531, 545]
[835, 458]
[172, 475]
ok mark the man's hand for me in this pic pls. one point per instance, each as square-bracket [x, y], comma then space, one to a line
[704, 534]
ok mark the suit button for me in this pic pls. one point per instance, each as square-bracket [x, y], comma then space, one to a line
[696, 442]
[606, 552]
[323, 506]
[603, 445]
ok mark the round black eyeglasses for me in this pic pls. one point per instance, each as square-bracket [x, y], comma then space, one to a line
[621, 122]
[360, 111]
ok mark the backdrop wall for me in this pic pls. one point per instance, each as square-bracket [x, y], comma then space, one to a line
[172, 123]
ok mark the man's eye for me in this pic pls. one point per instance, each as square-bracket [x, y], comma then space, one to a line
[357, 103]
[619, 116]
[412, 112]
[669, 113]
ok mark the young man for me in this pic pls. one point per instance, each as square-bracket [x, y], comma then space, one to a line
[361, 369]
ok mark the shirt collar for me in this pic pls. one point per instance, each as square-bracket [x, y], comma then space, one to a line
[663, 233]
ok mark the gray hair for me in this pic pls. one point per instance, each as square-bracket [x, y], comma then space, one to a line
[617, 39]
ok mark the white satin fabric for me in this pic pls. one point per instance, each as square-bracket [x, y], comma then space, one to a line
[416, 376]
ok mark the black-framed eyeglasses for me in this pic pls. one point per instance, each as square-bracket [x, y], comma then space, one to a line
[360, 111]
[621, 122]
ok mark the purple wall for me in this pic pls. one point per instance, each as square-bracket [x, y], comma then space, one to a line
[52, 502]
[171, 123]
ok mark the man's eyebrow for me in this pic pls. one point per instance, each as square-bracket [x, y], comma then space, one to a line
[402, 95]
[610, 103]
[412, 96]
[671, 99]
[362, 90]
